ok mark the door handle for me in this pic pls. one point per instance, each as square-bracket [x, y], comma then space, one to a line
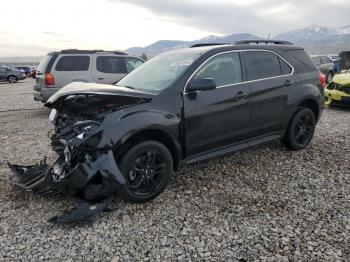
[240, 95]
[287, 83]
[100, 78]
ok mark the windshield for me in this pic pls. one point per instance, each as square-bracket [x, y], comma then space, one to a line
[316, 60]
[160, 72]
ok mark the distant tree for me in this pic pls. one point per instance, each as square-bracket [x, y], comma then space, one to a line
[144, 57]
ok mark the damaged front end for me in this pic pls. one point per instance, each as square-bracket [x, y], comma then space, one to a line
[86, 164]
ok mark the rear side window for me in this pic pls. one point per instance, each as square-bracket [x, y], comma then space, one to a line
[110, 64]
[301, 61]
[262, 65]
[73, 63]
[43, 64]
[132, 63]
[285, 68]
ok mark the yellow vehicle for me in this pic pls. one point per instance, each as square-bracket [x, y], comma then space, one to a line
[338, 91]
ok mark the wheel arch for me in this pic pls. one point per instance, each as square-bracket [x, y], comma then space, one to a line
[308, 102]
[10, 76]
[312, 105]
[153, 134]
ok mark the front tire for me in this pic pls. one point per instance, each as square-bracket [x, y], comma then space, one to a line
[301, 130]
[147, 168]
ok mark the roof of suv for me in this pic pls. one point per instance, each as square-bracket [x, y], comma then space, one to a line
[77, 51]
[272, 45]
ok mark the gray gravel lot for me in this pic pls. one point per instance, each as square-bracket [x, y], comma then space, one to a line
[265, 203]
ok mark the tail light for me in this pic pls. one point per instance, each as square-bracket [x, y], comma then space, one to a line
[49, 80]
[322, 79]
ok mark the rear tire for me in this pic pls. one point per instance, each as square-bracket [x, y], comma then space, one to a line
[12, 79]
[147, 168]
[301, 130]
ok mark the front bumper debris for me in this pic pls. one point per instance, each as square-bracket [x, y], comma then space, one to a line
[35, 178]
[82, 212]
[48, 180]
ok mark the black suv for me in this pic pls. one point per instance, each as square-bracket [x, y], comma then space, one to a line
[178, 108]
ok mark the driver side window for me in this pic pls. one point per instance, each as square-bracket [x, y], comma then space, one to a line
[225, 69]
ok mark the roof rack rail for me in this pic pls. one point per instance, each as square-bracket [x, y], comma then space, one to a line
[262, 41]
[77, 51]
[207, 44]
[119, 52]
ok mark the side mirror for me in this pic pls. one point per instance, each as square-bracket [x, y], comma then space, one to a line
[202, 84]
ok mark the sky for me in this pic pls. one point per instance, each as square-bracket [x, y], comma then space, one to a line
[40, 26]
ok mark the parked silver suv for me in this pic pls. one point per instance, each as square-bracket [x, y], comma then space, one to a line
[58, 69]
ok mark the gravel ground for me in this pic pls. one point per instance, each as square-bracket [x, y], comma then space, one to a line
[265, 203]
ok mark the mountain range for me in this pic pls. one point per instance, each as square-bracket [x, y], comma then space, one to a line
[315, 39]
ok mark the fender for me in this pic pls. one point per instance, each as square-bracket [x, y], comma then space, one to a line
[307, 92]
[116, 130]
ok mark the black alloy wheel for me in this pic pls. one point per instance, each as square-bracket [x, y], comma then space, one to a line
[147, 168]
[301, 129]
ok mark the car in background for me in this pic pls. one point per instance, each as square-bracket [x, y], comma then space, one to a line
[26, 69]
[338, 91]
[337, 66]
[325, 65]
[344, 60]
[33, 72]
[58, 69]
[12, 75]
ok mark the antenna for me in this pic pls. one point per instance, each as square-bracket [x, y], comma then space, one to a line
[268, 37]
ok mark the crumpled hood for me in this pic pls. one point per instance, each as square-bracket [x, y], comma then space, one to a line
[342, 79]
[80, 88]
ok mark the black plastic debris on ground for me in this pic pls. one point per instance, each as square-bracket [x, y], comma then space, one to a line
[83, 212]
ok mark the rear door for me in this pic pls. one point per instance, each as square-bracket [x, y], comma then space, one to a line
[220, 117]
[71, 68]
[271, 78]
[108, 69]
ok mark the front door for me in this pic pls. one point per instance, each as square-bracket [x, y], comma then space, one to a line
[217, 118]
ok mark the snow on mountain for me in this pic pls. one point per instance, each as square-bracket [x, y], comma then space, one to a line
[344, 29]
[307, 34]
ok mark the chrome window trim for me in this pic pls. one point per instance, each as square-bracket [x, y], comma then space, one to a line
[243, 82]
